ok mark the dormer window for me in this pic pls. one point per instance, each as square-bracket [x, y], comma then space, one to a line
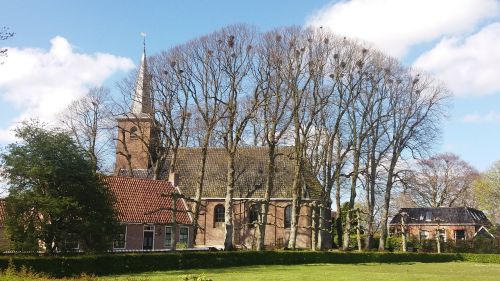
[428, 216]
[133, 133]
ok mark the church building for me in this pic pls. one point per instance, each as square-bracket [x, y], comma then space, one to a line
[139, 195]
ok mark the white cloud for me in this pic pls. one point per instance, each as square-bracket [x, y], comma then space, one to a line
[395, 26]
[490, 117]
[469, 66]
[39, 83]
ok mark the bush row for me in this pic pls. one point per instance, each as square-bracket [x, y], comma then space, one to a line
[135, 263]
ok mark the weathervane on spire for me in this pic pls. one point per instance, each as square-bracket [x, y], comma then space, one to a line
[143, 34]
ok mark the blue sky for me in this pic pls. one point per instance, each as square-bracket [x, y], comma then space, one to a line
[62, 48]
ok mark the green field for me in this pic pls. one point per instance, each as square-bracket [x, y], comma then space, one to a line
[368, 271]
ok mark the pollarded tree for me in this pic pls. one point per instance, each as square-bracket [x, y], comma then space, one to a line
[54, 194]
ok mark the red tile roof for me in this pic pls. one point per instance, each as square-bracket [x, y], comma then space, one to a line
[141, 201]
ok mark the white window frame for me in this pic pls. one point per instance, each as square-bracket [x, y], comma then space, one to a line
[169, 240]
[144, 230]
[125, 240]
[426, 234]
[187, 239]
[444, 234]
[428, 216]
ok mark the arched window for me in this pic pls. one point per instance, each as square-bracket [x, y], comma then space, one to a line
[219, 211]
[287, 219]
[133, 133]
[253, 214]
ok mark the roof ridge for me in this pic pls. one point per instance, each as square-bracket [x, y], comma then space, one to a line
[139, 179]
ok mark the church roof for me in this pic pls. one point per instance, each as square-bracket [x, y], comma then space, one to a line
[140, 200]
[251, 173]
[141, 102]
[445, 215]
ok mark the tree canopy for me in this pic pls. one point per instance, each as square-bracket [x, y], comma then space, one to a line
[54, 196]
[487, 192]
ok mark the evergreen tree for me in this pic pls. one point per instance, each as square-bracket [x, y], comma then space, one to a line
[55, 198]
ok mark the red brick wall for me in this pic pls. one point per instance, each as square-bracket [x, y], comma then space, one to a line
[136, 147]
[414, 230]
[245, 235]
[135, 236]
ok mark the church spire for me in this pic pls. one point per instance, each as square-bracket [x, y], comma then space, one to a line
[141, 103]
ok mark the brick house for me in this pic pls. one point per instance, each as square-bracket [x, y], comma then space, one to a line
[453, 223]
[145, 211]
[135, 131]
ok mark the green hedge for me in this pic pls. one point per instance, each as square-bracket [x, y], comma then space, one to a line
[134, 263]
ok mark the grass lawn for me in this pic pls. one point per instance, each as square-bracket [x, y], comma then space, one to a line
[369, 271]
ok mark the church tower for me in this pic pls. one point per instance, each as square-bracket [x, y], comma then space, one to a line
[134, 128]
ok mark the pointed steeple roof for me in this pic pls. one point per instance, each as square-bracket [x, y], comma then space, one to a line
[141, 103]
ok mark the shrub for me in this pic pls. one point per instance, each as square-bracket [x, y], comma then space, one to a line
[394, 243]
[135, 263]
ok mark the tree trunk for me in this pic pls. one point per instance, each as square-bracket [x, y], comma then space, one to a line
[199, 187]
[338, 219]
[387, 201]
[358, 230]
[370, 199]
[228, 204]
[352, 198]
[271, 162]
[314, 226]
[403, 234]
[295, 207]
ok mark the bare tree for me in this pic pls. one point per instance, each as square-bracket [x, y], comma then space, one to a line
[274, 116]
[171, 101]
[240, 100]
[90, 121]
[443, 180]
[202, 79]
[418, 106]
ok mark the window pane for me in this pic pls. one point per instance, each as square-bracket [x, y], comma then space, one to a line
[219, 213]
[168, 236]
[288, 217]
[119, 240]
[183, 234]
[253, 214]
[459, 234]
[442, 235]
[424, 234]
